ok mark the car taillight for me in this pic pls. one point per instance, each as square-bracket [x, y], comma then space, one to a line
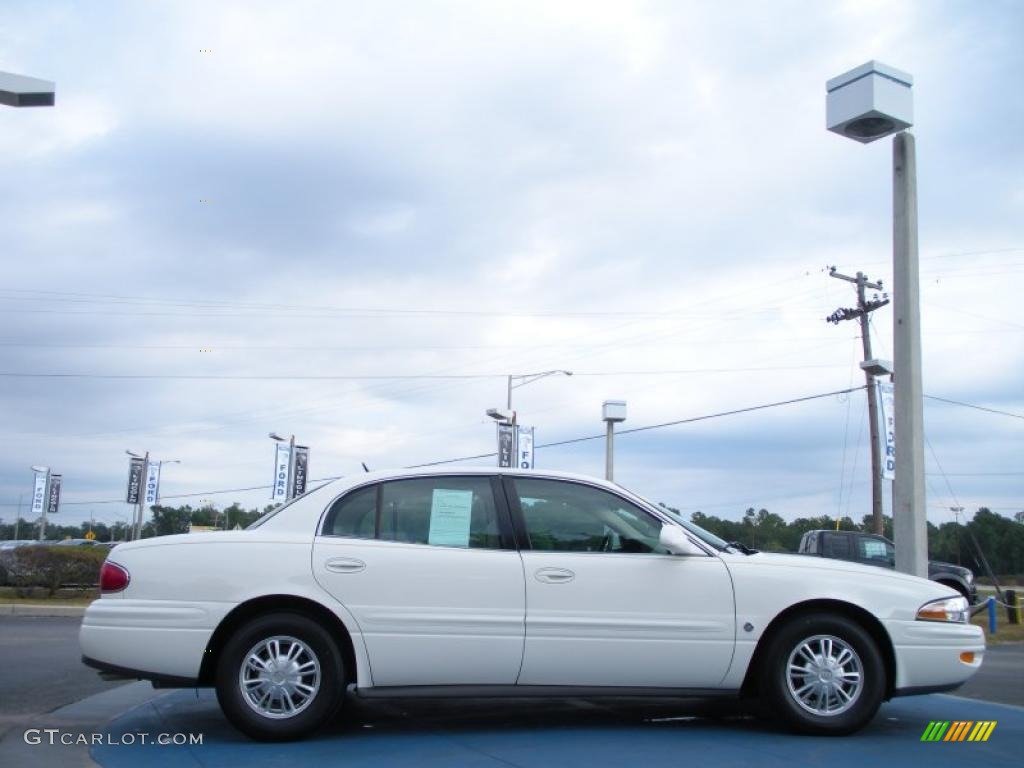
[113, 577]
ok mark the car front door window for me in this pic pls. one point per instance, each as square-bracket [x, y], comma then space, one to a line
[569, 517]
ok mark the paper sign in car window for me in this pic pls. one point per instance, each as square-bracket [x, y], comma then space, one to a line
[450, 514]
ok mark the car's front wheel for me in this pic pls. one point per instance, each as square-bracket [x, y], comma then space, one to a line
[280, 677]
[823, 674]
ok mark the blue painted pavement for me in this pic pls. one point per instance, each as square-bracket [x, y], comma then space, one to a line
[559, 734]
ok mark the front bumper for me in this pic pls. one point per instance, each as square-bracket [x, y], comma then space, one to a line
[158, 640]
[928, 655]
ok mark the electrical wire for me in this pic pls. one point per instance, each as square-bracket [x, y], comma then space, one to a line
[690, 420]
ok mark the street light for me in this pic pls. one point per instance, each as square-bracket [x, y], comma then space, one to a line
[507, 417]
[21, 91]
[866, 104]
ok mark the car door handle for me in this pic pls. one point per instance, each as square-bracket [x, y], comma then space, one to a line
[344, 565]
[554, 575]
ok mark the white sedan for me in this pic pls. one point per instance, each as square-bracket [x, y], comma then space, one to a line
[485, 582]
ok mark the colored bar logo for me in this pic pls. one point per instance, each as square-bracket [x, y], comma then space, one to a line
[958, 730]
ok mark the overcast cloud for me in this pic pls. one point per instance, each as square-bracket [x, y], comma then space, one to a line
[483, 188]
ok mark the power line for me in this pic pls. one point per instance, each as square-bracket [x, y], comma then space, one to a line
[975, 407]
[384, 377]
[649, 427]
[691, 420]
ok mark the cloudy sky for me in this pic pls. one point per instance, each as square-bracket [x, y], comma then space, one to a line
[300, 216]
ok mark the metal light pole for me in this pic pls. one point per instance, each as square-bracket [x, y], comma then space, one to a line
[529, 378]
[868, 103]
[508, 417]
[612, 411]
[138, 513]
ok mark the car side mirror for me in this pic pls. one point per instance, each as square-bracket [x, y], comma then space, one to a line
[675, 541]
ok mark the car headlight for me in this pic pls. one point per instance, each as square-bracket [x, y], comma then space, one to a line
[952, 609]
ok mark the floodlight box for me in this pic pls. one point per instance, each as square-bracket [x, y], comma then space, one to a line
[869, 102]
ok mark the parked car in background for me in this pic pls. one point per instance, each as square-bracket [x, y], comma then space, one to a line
[478, 581]
[15, 543]
[872, 549]
[77, 543]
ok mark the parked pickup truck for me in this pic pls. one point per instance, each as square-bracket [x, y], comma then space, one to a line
[872, 549]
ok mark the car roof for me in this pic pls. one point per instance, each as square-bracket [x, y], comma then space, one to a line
[303, 513]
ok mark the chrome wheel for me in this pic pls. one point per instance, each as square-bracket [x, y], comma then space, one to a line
[279, 677]
[824, 675]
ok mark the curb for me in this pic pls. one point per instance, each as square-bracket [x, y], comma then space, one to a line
[15, 609]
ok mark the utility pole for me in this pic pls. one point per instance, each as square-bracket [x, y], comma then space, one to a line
[864, 308]
[956, 517]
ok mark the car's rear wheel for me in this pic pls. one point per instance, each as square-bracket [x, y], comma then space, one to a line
[823, 674]
[280, 677]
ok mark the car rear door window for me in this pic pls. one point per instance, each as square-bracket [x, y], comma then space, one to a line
[443, 511]
[836, 545]
[354, 515]
[570, 517]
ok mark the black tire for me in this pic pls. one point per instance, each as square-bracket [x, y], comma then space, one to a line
[782, 700]
[316, 709]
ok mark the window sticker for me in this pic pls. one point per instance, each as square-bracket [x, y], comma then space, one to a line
[450, 514]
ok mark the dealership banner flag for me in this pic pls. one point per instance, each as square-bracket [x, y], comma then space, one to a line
[301, 470]
[525, 450]
[152, 484]
[135, 469]
[506, 445]
[53, 499]
[887, 429]
[282, 460]
[39, 493]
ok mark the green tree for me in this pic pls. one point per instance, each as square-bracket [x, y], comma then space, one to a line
[170, 520]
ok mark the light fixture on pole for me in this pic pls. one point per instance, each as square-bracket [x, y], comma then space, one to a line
[21, 91]
[508, 442]
[612, 412]
[866, 104]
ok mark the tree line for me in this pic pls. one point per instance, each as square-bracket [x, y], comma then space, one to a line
[162, 521]
[1001, 539]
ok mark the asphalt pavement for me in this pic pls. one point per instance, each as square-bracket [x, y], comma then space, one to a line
[42, 667]
[42, 675]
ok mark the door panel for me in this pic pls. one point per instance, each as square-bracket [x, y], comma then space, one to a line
[605, 605]
[628, 620]
[444, 613]
[430, 615]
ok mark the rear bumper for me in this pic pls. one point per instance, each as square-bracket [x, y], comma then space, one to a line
[928, 655]
[159, 681]
[157, 640]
